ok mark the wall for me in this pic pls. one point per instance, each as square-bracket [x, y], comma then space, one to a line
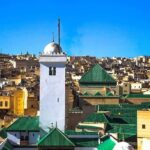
[19, 97]
[143, 128]
[93, 89]
[98, 100]
[33, 137]
[137, 100]
[52, 93]
[143, 119]
[74, 119]
[14, 137]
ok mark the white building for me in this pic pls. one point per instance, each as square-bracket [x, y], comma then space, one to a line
[136, 86]
[52, 87]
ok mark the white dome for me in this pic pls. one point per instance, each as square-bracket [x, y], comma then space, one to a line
[52, 48]
[123, 146]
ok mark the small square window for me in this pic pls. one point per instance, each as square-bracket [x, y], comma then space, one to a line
[143, 126]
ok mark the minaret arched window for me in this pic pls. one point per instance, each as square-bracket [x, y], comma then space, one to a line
[52, 71]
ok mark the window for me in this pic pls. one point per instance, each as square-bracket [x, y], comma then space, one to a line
[52, 71]
[143, 126]
[22, 138]
[1, 103]
[6, 103]
[26, 138]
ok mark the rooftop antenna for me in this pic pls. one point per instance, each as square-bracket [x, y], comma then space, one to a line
[59, 31]
[52, 36]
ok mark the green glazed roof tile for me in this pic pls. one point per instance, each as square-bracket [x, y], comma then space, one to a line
[138, 95]
[86, 94]
[109, 94]
[73, 132]
[107, 144]
[25, 124]
[55, 138]
[96, 117]
[7, 146]
[98, 94]
[85, 142]
[3, 133]
[97, 75]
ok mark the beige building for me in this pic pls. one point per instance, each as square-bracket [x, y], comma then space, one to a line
[143, 129]
[20, 101]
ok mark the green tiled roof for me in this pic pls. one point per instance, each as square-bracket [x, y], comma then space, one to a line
[98, 94]
[7, 146]
[123, 128]
[97, 117]
[3, 133]
[109, 94]
[25, 124]
[107, 144]
[86, 94]
[97, 75]
[85, 142]
[138, 95]
[126, 136]
[55, 138]
[73, 132]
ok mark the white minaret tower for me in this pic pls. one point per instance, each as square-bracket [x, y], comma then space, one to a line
[52, 87]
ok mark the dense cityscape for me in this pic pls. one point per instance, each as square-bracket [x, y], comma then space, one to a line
[106, 102]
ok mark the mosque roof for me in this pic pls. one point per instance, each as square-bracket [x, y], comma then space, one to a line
[55, 138]
[25, 124]
[97, 75]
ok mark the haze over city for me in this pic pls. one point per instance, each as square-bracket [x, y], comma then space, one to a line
[101, 28]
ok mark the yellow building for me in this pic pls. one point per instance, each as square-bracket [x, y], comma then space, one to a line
[4, 102]
[20, 101]
[143, 129]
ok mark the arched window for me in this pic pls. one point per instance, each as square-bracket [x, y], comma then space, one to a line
[50, 70]
[54, 70]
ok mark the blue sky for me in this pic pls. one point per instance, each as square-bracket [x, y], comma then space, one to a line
[88, 27]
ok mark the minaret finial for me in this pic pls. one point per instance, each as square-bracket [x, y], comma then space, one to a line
[59, 31]
[52, 36]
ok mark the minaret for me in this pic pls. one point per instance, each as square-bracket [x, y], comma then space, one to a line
[52, 87]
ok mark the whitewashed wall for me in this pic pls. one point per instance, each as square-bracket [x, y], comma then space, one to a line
[52, 93]
[14, 137]
[33, 137]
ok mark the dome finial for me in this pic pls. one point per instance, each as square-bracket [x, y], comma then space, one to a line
[59, 31]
